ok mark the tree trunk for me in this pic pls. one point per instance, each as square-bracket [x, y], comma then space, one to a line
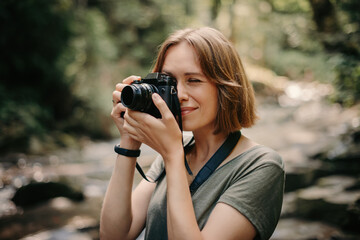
[215, 8]
[324, 16]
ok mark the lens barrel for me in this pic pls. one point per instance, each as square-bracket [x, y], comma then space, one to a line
[138, 96]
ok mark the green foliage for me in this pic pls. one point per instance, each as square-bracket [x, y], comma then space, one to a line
[347, 82]
[351, 9]
[59, 63]
[87, 59]
[301, 65]
[347, 45]
[50, 69]
[290, 6]
[291, 51]
[285, 40]
[34, 94]
[27, 61]
[138, 28]
[61, 59]
[294, 47]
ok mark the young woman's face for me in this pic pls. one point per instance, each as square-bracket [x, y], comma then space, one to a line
[197, 95]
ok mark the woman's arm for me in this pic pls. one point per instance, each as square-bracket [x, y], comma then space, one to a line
[225, 222]
[181, 221]
[124, 211]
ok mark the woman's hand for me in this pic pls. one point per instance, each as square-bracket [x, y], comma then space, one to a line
[163, 135]
[118, 112]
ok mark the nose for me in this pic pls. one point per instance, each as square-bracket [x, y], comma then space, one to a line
[182, 92]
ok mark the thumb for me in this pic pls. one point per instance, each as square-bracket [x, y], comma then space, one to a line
[161, 105]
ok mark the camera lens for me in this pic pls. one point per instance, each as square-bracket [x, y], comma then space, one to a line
[138, 96]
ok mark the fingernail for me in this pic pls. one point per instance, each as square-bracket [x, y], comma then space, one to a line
[155, 96]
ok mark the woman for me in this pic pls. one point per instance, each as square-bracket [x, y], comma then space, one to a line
[241, 199]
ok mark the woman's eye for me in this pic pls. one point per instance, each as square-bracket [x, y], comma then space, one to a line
[194, 80]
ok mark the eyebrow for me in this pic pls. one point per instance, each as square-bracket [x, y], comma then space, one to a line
[186, 74]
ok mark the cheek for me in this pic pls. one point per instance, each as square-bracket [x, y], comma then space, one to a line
[213, 98]
[214, 106]
[211, 102]
[207, 98]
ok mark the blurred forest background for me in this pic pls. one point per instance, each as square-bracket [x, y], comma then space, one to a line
[60, 59]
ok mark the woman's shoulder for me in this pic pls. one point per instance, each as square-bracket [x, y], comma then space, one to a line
[265, 152]
[260, 155]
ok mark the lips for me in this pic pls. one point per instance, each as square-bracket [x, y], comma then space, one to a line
[187, 110]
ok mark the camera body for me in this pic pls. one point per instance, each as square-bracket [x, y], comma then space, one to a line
[137, 95]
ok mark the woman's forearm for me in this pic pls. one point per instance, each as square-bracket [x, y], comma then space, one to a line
[181, 220]
[116, 214]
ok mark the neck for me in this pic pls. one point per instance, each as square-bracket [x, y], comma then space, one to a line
[206, 144]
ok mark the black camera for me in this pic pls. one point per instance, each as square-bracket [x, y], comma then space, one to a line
[137, 96]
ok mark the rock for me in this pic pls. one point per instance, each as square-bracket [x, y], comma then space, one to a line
[39, 192]
[329, 201]
[57, 214]
[289, 205]
[354, 216]
[299, 178]
[299, 229]
[343, 156]
[62, 233]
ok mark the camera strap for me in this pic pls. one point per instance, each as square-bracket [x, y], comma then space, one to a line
[218, 157]
[214, 162]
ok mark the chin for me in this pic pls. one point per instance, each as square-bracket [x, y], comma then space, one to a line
[188, 127]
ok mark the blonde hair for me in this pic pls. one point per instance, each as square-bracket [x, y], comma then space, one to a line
[221, 64]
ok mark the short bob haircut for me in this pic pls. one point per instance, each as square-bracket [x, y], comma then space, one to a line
[221, 64]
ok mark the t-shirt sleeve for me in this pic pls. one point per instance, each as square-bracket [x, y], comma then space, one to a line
[258, 196]
[156, 168]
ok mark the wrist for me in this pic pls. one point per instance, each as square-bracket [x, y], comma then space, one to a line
[129, 143]
[127, 152]
[175, 159]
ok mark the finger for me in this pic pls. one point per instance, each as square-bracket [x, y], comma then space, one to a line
[128, 119]
[119, 86]
[117, 111]
[131, 131]
[116, 97]
[134, 118]
[130, 79]
[137, 133]
[162, 106]
[126, 81]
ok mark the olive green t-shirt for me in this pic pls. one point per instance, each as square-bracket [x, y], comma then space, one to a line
[252, 183]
